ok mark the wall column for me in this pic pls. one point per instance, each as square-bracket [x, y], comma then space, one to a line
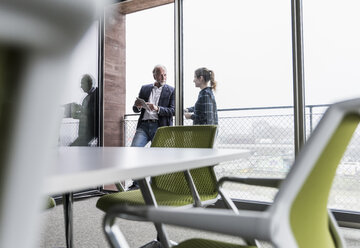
[114, 93]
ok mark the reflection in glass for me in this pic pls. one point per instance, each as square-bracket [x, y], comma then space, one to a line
[86, 113]
[79, 126]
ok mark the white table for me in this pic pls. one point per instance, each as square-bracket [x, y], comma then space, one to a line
[83, 167]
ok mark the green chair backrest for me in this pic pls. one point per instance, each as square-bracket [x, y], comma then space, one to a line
[50, 203]
[308, 218]
[186, 137]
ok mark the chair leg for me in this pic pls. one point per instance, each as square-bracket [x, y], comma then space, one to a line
[162, 235]
[230, 205]
[120, 187]
[252, 242]
[150, 200]
[113, 233]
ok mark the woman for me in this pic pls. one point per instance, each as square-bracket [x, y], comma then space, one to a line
[205, 111]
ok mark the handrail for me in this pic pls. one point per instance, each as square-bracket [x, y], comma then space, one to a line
[257, 108]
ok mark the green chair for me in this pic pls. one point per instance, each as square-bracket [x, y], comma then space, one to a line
[197, 187]
[175, 189]
[298, 216]
[50, 203]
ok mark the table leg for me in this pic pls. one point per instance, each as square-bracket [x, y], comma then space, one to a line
[68, 199]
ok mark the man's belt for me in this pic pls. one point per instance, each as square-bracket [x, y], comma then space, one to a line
[149, 120]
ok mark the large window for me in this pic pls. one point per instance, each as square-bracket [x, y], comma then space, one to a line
[332, 50]
[332, 55]
[79, 125]
[247, 44]
[149, 41]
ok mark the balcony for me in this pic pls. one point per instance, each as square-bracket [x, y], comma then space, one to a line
[268, 133]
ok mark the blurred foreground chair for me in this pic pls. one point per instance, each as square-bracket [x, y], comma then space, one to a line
[298, 217]
[197, 187]
[36, 41]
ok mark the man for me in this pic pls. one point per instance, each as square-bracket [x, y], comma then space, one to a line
[86, 113]
[160, 101]
[156, 102]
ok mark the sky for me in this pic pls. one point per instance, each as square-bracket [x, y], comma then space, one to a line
[248, 46]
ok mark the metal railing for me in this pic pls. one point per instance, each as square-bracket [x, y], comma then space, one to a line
[269, 133]
[68, 131]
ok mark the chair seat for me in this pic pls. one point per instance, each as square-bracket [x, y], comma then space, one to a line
[205, 243]
[163, 198]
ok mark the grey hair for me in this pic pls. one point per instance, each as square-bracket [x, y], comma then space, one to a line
[158, 67]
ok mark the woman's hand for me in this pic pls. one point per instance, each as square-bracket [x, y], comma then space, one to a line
[188, 115]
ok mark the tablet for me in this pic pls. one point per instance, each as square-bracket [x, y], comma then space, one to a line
[143, 104]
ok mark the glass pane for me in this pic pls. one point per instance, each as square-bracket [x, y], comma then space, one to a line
[79, 125]
[149, 42]
[332, 55]
[247, 44]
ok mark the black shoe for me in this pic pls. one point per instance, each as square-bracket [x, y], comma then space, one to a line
[134, 186]
[152, 244]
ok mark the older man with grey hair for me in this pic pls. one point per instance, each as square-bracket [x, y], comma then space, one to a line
[156, 103]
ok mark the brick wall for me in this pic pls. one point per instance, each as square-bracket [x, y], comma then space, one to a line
[114, 77]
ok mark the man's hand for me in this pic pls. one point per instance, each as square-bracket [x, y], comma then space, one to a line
[152, 107]
[138, 103]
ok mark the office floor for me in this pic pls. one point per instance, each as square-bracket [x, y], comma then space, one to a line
[88, 232]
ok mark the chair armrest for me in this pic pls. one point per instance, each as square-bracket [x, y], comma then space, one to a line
[247, 224]
[265, 182]
[334, 229]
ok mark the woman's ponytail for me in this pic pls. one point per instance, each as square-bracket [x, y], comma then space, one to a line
[213, 83]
